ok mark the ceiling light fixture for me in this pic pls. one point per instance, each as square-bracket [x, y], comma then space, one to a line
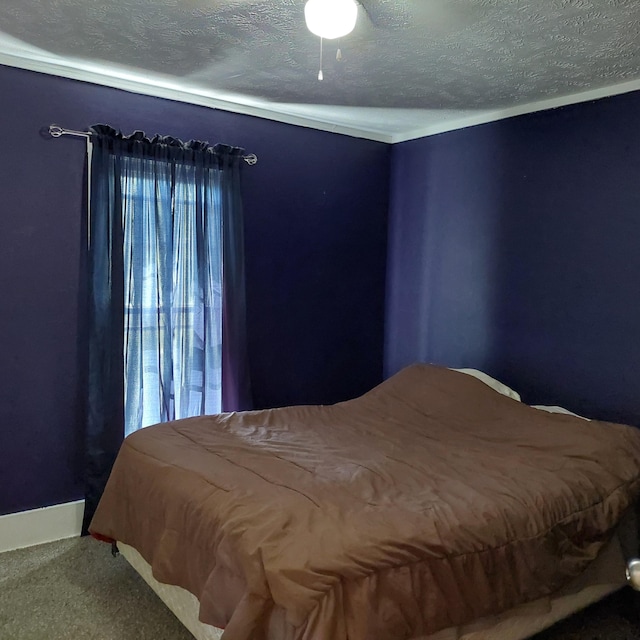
[331, 19]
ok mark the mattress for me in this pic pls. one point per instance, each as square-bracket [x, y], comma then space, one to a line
[429, 503]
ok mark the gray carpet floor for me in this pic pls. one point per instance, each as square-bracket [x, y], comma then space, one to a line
[75, 590]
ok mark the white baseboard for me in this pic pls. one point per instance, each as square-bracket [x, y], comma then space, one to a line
[26, 528]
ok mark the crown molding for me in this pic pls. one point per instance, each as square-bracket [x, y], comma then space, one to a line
[484, 117]
[287, 114]
[159, 88]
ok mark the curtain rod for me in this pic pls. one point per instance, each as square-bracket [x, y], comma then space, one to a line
[55, 131]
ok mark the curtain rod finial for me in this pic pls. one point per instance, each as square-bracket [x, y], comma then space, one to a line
[55, 131]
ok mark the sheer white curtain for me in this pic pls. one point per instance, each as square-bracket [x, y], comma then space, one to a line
[172, 291]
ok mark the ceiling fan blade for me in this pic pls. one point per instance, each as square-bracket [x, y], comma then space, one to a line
[379, 16]
[435, 15]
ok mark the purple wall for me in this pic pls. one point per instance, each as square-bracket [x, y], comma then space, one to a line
[515, 247]
[316, 214]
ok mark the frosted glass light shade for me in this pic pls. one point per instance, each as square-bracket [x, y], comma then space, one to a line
[331, 19]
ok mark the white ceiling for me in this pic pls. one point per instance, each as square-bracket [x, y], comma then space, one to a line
[411, 67]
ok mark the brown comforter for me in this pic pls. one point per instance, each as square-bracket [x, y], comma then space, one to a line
[426, 503]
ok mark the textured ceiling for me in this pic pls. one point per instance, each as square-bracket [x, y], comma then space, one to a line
[409, 64]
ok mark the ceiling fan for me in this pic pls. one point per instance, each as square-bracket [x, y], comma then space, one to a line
[332, 19]
[389, 15]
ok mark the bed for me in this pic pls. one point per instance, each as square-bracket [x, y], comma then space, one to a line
[431, 507]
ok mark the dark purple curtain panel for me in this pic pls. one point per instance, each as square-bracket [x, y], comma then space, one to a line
[105, 410]
[236, 384]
